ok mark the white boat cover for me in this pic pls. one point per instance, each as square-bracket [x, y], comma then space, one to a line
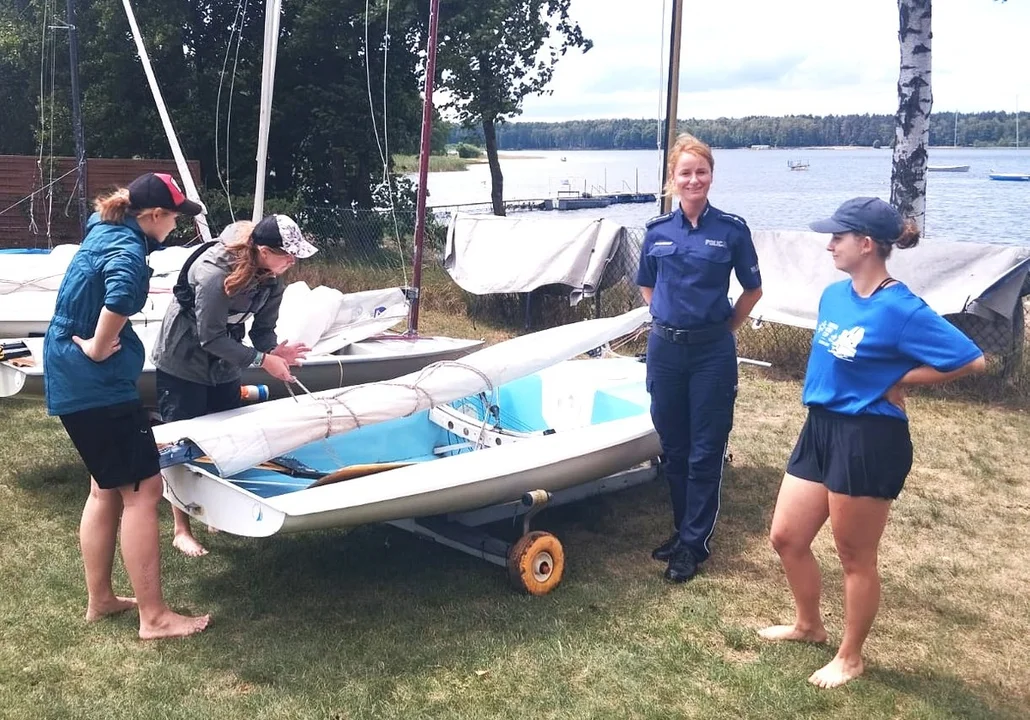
[953, 277]
[33, 272]
[326, 320]
[488, 254]
[239, 439]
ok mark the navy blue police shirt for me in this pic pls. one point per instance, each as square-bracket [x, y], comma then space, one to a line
[689, 267]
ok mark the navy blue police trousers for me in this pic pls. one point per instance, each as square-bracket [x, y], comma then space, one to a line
[693, 386]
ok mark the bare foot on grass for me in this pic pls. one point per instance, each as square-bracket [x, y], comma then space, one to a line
[779, 633]
[173, 625]
[837, 672]
[188, 545]
[98, 610]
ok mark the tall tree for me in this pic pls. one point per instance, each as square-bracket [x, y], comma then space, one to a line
[912, 123]
[492, 55]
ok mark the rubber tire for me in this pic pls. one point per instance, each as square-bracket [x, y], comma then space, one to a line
[536, 563]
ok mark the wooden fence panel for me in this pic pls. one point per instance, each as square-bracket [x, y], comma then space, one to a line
[38, 208]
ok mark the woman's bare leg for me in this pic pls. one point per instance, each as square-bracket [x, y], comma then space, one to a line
[182, 535]
[801, 510]
[142, 556]
[98, 530]
[858, 524]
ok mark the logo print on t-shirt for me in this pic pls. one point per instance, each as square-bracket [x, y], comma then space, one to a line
[845, 345]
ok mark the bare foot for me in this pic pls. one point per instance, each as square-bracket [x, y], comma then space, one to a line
[172, 625]
[188, 545]
[779, 633]
[837, 672]
[98, 610]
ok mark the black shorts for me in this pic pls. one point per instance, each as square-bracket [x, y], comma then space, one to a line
[179, 399]
[856, 455]
[115, 443]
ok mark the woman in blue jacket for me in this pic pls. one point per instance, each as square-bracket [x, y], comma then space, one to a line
[92, 360]
[874, 338]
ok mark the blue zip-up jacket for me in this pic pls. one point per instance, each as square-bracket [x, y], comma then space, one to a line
[109, 270]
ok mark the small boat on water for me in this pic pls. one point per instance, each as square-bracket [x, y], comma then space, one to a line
[947, 168]
[1012, 177]
[797, 164]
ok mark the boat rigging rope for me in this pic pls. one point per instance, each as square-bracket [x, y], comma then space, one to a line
[238, 21]
[384, 147]
[422, 399]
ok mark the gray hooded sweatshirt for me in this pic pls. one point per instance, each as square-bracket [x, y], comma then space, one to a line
[205, 345]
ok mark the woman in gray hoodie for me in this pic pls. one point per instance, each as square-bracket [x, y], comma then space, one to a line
[200, 355]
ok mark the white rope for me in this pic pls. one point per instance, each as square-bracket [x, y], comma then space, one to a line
[33, 228]
[238, 21]
[32, 194]
[384, 152]
[50, 160]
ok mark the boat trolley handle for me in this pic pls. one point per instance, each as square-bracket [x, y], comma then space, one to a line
[535, 500]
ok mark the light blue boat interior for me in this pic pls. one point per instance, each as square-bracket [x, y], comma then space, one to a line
[515, 406]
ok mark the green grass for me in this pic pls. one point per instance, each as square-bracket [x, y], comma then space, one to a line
[437, 163]
[376, 623]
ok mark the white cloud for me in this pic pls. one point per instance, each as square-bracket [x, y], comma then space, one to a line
[759, 57]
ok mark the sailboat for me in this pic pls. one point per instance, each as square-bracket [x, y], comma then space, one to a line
[504, 431]
[1011, 177]
[370, 352]
[954, 144]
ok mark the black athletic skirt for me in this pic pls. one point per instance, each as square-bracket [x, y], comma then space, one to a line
[115, 443]
[857, 455]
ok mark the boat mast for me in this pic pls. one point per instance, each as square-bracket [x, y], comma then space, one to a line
[166, 122]
[671, 96]
[273, 10]
[80, 142]
[423, 167]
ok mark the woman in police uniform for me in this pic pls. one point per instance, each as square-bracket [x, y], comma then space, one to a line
[684, 275]
[874, 338]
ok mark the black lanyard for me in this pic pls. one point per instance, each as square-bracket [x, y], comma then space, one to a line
[884, 283]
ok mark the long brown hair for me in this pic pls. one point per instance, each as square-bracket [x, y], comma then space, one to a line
[909, 238]
[685, 143]
[245, 267]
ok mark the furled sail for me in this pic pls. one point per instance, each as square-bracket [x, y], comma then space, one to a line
[239, 439]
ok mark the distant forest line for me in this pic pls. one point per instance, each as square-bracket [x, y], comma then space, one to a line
[985, 129]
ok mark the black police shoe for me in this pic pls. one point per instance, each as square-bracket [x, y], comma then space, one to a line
[664, 551]
[682, 565]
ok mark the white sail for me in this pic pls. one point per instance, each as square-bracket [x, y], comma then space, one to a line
[239, 439]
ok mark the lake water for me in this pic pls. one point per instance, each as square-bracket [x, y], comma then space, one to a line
[758, 185]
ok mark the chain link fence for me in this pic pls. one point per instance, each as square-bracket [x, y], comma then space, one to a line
[364, 249]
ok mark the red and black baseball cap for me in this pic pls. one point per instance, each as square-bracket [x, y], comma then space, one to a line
[158, 190]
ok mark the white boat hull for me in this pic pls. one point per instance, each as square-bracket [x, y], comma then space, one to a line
[576, 398]
[448, 485]
[366, 361]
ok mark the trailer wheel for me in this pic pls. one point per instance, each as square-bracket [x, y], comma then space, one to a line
[536, 563]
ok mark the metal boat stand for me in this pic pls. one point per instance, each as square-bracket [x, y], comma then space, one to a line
[536, 561]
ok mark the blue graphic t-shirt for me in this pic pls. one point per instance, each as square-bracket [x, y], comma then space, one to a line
[863, 346]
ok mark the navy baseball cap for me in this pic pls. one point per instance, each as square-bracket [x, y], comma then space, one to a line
[869, 216]
[159, 190]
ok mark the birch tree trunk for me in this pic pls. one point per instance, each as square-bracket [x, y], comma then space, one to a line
[912, 122]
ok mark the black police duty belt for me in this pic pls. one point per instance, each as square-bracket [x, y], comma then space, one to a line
[694, 336]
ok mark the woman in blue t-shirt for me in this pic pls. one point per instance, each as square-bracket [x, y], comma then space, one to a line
[873, 339]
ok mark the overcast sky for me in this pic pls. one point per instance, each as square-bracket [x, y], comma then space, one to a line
[781, 57]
